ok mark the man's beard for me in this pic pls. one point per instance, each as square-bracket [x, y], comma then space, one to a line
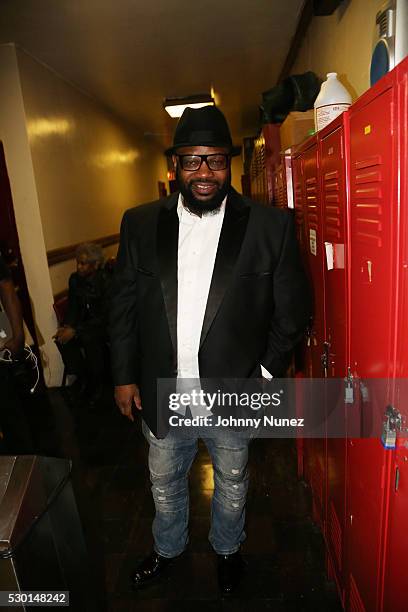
[198, 207]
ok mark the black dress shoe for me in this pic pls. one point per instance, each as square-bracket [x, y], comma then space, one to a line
[230, 570]
[150, 568]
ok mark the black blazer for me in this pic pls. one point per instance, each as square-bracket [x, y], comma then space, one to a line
[258, 304]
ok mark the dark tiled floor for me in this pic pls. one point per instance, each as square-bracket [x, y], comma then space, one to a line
[284, 551]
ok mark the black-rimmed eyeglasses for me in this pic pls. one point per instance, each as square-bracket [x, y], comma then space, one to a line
[215, 161]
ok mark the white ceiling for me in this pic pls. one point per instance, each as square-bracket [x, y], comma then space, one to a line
[130, 54]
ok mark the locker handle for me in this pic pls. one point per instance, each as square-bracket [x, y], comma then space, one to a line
[369, 270]
[397, 477]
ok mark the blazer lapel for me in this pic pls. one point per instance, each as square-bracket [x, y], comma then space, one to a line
[167, 249]
[229, 246]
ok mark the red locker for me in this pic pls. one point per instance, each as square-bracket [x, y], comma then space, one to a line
[333, 151]
[373, 197]
[315, 253]
[303, 355]
[308, 207]
[362, 316]
[395, 573]
[312, 232]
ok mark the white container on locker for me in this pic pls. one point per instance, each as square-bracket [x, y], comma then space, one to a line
[333, 99]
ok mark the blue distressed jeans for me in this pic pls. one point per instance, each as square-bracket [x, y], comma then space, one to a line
[170, 460]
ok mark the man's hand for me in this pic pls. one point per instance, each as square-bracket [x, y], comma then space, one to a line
[64, 334]
[125, 397]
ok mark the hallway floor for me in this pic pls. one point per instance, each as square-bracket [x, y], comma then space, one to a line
[284, 551]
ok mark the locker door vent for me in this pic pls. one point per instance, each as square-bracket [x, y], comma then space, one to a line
[331, 194]
[261, 159]
[299, 203]
[282, 189]
[311, 203]
[335, 534]
[356, 603]
[367, 199]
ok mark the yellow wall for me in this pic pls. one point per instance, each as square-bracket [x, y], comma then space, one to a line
[89, 166]
[341, 43]
[236, 172]
[73, 168]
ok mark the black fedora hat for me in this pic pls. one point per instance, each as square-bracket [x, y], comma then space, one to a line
[206, 127]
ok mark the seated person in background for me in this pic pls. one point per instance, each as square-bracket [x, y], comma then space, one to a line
[82, 338]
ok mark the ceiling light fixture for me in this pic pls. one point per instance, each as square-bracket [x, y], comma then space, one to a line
[176, 106]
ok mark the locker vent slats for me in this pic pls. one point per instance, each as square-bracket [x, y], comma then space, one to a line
[299, 204]
[375, 160]
[367, 195]
[368, 177]
[368, 192]
[311, 203]
[331, 175]
[333, 221]
[331, 194]
[332, 197]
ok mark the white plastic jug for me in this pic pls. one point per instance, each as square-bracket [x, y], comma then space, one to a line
[332, 100]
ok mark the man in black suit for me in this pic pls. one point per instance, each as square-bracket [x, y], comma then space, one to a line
[208, 285]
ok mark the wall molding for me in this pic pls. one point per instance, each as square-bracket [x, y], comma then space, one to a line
[55, 256]
[61, 294]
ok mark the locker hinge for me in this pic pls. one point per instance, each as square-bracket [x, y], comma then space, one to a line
[393, 422]
[348, 388]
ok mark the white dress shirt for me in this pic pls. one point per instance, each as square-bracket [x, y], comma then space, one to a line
[197, 249]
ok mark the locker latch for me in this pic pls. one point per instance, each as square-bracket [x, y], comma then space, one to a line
[365, 395]
[392, 423]
[324, 358]
[348, 388]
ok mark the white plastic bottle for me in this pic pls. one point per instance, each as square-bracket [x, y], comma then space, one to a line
[332, 100]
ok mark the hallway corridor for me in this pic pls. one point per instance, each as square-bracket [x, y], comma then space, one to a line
[284, 551]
